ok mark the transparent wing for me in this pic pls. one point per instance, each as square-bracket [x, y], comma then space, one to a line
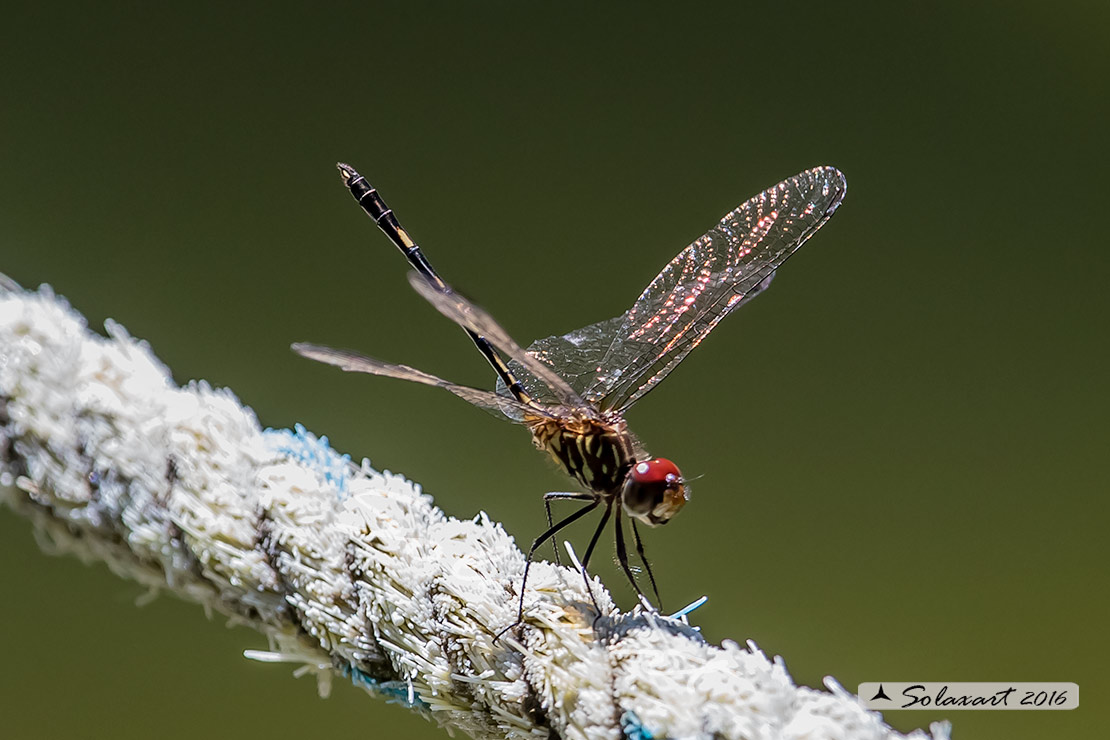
[500, 406]
[709, 279]
[469, 316]
[575, 356]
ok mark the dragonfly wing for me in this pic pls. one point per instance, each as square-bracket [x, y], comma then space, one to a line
[469, 316]
[500, 406]
[575, 356]
[710, 278]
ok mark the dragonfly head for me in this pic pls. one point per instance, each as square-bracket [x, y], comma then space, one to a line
[654, 491]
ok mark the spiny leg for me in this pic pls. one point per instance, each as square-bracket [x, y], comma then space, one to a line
[622, 557]
[561, 496]
[372, 203]
[549, 534]
[590, 551]
[647, 565]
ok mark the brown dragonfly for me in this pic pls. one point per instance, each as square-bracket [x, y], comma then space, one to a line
[572, 391]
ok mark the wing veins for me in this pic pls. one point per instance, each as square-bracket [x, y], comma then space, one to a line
[349, 361]
[784, 206]
[470, 316]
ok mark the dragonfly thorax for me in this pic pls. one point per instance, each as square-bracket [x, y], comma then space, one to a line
[601, 455]
[595, 452]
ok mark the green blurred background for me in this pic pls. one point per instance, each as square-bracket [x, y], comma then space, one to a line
[903, 443]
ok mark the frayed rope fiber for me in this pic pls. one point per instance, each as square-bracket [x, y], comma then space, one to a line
[348, 571]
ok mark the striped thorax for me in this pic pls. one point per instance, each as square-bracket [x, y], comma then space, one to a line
[597, 453]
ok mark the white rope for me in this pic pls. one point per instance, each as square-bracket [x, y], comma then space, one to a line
[349, 571]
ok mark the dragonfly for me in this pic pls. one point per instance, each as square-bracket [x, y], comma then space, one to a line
[572, 391]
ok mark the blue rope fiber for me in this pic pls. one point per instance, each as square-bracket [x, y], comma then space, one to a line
[689, 608]
[304, 446]
[395, 692]
[632, 728]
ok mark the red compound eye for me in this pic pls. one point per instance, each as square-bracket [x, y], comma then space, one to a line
[654, 491]
[656, 471]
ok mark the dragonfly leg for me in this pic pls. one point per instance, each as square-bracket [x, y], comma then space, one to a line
[590, 551]
[562, 496]
[549, 534]
[622, 558]
[647, 565]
